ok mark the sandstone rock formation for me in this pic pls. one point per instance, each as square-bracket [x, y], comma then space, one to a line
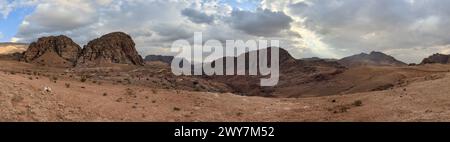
[53, 51]
[113, 48]
[437, 58]
[373, 59]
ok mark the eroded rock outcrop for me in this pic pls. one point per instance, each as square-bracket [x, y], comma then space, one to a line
[53, 51]
[113, 48]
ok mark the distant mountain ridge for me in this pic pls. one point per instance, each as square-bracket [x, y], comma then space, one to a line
[10, 48]
[160, 58]
[437, 58]
[372, 59]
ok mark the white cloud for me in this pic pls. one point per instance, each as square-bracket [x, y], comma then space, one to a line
[1, 35]
[14, 40]
[6, 7]
[58, 15]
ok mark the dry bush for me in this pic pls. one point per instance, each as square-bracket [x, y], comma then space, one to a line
[67, 85]
[83, 78]
[130, 92]
[357, 103]
[154, 91]
[17, 98]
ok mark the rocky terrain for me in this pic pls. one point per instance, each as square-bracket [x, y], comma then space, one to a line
[33, 93]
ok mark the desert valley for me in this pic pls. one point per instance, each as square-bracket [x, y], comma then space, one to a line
[54, 79]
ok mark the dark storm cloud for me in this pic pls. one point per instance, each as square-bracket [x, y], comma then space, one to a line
[261, 22]
[197, 16]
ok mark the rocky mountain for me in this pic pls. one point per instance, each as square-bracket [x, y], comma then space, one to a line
[53, 51]
[372, 59]
[160, 58]
[437, 58]
[293, 73]
[112, 48]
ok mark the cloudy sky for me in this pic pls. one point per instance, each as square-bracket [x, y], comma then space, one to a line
[407, 29]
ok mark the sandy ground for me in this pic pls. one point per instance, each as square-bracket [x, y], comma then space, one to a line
[24, 97]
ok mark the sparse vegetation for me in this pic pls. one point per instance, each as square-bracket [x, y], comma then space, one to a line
[83, 78]
[17, 98]
[195, 82]
[127, 80]
[197, 89]
[53, 79]
[67, 85]
[357, 103]
[130, 92]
